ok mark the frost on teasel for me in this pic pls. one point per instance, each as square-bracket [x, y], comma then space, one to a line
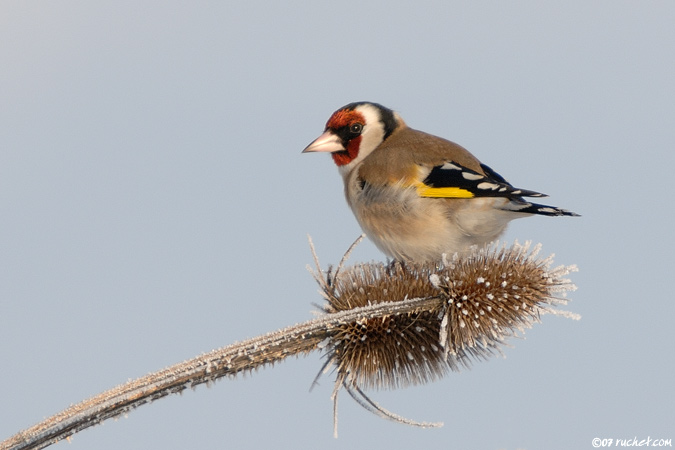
[386, 326]
[479, 300]
[493, 293]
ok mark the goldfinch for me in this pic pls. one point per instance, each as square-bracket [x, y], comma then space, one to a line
[415, 195]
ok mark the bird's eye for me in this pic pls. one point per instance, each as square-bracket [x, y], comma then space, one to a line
[355, 128]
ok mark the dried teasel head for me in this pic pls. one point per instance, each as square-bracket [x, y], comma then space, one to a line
[475, 302]
[494, 293]
[393, 350]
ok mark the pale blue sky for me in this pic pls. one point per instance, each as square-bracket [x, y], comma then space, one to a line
[155, 205]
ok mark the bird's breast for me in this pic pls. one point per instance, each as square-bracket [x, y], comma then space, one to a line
[406, 226]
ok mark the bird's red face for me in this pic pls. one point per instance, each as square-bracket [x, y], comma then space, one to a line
[349, 125]
[342, 136]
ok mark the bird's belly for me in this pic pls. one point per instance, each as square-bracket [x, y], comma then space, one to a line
[407, 227]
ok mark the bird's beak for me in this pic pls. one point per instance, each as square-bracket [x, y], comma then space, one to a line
[327, 142]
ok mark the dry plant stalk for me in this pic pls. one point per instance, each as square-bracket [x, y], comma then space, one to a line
[385, 326]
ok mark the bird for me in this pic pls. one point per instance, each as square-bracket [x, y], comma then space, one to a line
[417, 196]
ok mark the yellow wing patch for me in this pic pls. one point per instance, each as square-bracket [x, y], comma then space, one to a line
[424, 190]
[442, 192]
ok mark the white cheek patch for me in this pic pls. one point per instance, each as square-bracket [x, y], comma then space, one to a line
[373, 130]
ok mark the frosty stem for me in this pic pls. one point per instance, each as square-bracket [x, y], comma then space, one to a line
[230, 360]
